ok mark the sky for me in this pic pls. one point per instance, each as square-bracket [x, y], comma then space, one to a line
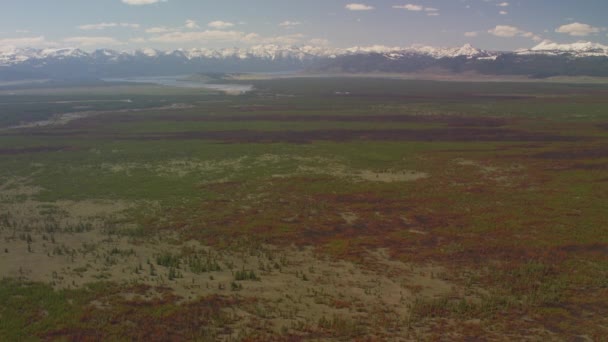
[170, 24]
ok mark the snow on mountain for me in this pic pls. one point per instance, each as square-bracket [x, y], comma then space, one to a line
[10, 56]
[466, 50]
[579, 49]
[396, 53]
[147, 52]
[355, 50]
[265, 52]
[62, 53]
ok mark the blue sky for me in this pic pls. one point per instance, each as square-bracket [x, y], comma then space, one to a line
[168, 24]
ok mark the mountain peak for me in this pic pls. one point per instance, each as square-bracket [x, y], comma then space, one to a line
[578, 49]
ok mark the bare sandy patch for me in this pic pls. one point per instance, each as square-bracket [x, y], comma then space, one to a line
[16, 187]
[500, 175]
[349, 217]
[385, 176]
[21, 213]
[179, 167]
[224, 168]
[292, 286]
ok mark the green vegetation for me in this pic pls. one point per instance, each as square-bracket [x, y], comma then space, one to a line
[245, 275]
[309, 208]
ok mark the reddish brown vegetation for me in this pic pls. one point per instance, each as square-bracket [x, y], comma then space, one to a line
[162, 319]
[600, 152]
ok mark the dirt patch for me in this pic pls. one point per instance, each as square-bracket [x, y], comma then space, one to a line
[341, 171]
[503, 175]
[20, 212]
[349, 217]
[17, 187]
[180, 167]
[226, 168]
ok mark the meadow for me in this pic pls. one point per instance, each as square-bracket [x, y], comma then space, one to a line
[309, 208]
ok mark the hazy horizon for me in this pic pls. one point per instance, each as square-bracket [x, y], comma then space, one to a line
[172, 24]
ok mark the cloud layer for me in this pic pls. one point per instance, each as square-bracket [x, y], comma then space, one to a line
[103, 26]
[430, 11]
[359, 7]
[92, 41]
[507, 31]
[220, 25]
[142, 2]
[577, 29]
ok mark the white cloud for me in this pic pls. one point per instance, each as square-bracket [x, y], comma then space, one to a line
[22, 42]
[225, 36]
[358, 7]
[506, 31]
[103, 26]
[430, 11]
[191, 24]
[205, 36]
[503, 4]
[290, 24]
[220, 25]
[532, 36]
[471, 34]
[92, 41]
[133, 26]
[503, 12]
[409, 7]
[142, 2]
[284, 40]
[159, 29]
[577, 29]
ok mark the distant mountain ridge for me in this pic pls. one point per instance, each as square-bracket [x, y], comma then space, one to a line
[545, 59]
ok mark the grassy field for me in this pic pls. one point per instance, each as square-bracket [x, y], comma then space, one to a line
[316, 208]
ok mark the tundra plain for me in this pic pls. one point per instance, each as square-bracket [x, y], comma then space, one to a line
[311, 208]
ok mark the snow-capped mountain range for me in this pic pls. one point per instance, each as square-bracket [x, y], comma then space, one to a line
[580, 49]
[73, 62]
[14, 56]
